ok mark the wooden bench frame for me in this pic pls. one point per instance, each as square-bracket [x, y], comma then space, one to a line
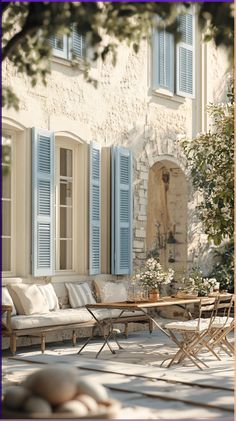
[41, 332]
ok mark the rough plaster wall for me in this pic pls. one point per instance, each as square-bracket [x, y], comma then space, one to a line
[122, 110]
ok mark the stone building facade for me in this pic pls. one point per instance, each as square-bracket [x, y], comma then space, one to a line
[128, 111]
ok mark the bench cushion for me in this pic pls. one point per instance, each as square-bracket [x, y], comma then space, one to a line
[58, 317]
[107, 314]
[64, 317]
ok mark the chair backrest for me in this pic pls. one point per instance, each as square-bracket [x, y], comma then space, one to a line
[225, 305]
[207, 309]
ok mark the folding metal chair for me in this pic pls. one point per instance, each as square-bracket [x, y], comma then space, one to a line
[190, 335]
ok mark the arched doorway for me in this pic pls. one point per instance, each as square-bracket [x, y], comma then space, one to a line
[167, 215]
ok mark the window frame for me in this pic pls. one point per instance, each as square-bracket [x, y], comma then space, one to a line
[70, 145]
[173, 93]
[67, 53]
[12, 270]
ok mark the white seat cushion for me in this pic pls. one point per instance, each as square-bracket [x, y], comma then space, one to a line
[58, 317]
[189, 325]
[114, 313]
[222, 322]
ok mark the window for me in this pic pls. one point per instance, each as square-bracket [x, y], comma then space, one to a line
[67, 199]
[64, 209]
[66, 46]
[7, 205]
[173, 64]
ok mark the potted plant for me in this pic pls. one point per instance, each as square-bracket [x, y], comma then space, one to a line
[151, 276]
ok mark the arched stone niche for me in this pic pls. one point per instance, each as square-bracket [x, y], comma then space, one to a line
[166, 231]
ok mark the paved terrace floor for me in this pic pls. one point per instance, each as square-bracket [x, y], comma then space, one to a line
[134, 377]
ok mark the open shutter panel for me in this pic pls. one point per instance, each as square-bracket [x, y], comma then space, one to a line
[185, 76]
[77, 43]
[122, 215]
[163, 65]
[95, 210]
[42, 202]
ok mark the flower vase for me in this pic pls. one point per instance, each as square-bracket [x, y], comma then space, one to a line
[154, 295]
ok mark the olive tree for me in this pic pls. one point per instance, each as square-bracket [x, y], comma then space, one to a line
[210, 158]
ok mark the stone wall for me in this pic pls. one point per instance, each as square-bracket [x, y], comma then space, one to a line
[124, 110]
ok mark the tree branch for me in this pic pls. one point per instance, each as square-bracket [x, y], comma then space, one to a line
[14, 41]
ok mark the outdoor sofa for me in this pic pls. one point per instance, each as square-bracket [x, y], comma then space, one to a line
[31, 310]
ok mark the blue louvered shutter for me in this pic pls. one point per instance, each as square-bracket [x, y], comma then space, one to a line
[122, 211]
[59, 45]
[163, 60]
[43, 151]
[185, 60]
[95, 209]
[77, 43]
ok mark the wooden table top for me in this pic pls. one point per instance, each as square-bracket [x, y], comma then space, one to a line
[144, 304]
[164, 301]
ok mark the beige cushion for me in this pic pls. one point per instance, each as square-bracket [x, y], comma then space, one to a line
[80, 294]
[222, 321]
[52, 318]
[50, 296]
[188, 325]
[31, 299]
[7, 300]
[111, 291]
[113, 314]
[16, 300]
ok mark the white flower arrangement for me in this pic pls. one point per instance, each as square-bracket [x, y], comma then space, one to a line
[153, 275]
[195, 282]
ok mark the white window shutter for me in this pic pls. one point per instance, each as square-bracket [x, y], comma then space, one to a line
[59, 44]
[163, 60]
[122, 211]
[185, 57]
[77, 43]
[43, 213]
[94, 209]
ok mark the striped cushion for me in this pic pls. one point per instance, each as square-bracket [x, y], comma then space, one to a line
[50, 296]
[79, 294]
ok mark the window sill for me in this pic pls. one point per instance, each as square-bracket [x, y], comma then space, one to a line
[163, 93]
[64, 61]
[64, 272]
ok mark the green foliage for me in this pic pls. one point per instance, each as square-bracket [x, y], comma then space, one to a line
[27, 26]
[223, 269]
[210, 158]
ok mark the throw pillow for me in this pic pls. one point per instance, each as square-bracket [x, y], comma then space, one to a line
[31, 299]
[50, 296]
[16, 300]
[111, 292]
[80, 294]
[7, 300]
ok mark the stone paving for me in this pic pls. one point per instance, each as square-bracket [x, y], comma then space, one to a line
[133, 376]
